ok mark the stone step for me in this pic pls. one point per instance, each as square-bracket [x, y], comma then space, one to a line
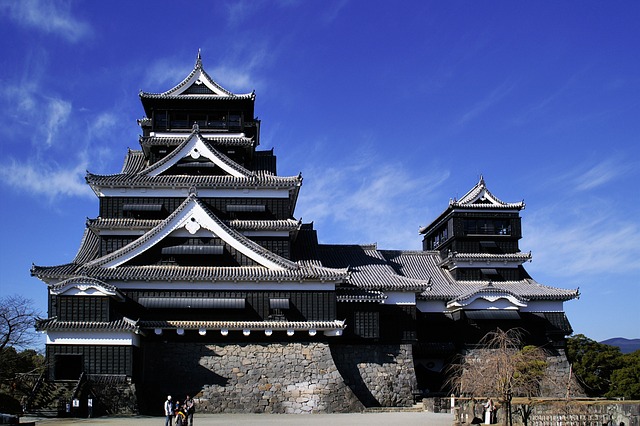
[413, 409]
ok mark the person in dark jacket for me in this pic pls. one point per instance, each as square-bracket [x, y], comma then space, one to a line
[190, 408]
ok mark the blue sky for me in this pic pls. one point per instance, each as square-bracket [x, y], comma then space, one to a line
[388, 110]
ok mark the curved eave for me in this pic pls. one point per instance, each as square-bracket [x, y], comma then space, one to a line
[212, 274]
[202, 274]
[244, 325]
[360, 295]
[505, 206]
[53, 324]
[216, 140]
[187, 181]
[455, 258]
[524, 289]
[115, 224]
[234, 97]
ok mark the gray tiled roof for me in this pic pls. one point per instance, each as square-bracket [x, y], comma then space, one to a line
[346, 294]
[51, 324]
[486, 257]
[216, 140]
[192, 273]
[260, 180]
[524, 289]
[406, 270]
[240, 225]
[135, 173]
[368, 268]
[240, 325]
[133, 162]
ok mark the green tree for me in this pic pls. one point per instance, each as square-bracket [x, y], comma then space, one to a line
[625, 381]
[593, 363]
[17, 370]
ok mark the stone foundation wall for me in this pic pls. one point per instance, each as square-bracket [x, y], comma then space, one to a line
[545, 412]
[308, 377]
[584, 413]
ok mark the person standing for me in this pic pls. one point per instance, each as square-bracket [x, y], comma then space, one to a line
[190, 408]
[168, 411]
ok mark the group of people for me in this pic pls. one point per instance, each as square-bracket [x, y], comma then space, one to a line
[182, 413]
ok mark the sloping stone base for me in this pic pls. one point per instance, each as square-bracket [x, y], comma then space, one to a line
[308, 377]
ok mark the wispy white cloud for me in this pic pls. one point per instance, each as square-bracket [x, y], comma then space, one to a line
[586, 176]
[372, 201]
[164, 73]
[580, 231]
[487, 102]
[47, 182]
[58, 112]
[50, 17]
[602, 173]
[25, 103]
[571, 246]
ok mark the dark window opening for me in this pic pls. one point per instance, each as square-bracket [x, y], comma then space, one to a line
[68, 367]
[487, 227]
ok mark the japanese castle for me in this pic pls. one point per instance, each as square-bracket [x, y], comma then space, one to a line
[197, 278]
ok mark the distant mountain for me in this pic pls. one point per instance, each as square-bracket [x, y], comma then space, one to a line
[626, 345]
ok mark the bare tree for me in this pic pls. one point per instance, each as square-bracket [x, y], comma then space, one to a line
[501, 368]
[17, 319]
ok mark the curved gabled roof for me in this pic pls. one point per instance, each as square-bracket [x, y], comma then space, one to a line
[83, 283]
[488, 292]
[195, 146]
[205, 87]
[192, 214]
[480, 197]
[135, 171]
[523, 289]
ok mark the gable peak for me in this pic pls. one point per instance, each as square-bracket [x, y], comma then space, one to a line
[480, 197]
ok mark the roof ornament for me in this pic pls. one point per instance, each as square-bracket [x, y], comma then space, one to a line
[196, 127]
[193, 191]
[199, 60]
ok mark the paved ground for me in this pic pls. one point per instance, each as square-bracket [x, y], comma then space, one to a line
[352, 419]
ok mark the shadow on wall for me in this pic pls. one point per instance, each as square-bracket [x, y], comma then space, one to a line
[177, 373]
[349, 358]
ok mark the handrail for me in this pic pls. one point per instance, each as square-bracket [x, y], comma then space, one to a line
[34, 390]
[76, 389]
